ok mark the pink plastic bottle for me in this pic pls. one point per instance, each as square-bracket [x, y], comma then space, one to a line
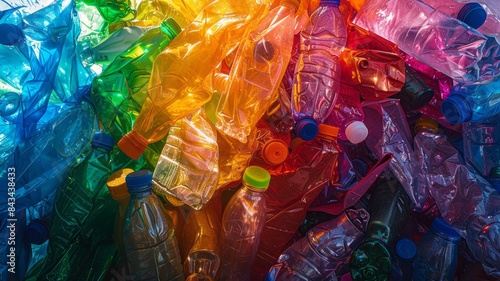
[317, 74]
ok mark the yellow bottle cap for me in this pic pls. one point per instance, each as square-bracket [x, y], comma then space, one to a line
[426, 123]
[117, 186]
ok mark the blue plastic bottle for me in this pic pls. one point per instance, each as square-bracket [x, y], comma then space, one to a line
[405, 253]
[437, 253]
[472, 103]
[148, 234]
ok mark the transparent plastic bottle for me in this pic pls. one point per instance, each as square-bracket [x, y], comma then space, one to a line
[279, 114]
[324, 249]
[317, 74]
[242, 224]
[456, 49]
[481, 142]
[437, 253]
[188, 164]
[148, 234]
[175, 88]
[483, 236]
[348, 115]
[472, 103]
[256, 73]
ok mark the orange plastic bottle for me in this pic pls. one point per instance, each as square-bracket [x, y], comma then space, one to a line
[174, 89]
[257, 71]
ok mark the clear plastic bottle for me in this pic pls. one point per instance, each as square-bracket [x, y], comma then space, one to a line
[456, 49]
[188, 164]
[175, 89]
[256, 73]
[472, 103]
[242, 224]
[348, 115]
[279, 114]
[317, 74]
[324, 249]
[148, 234]
[483, 236]
[481, 142]
[437, 253]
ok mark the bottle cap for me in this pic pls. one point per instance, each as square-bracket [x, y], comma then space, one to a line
[356, 132]
[415, 93]
[133, 145]
[327, 131]
[37, 232]
[406, 249]
[443, 229]
[306, 129]
[139, 182]
[257, 177]
[472, 14]
[11, 34]
[275, 152]
[456, 109]
[427, 123]
[335, 2]
[372, 258]
[103, 140]
[117, 185]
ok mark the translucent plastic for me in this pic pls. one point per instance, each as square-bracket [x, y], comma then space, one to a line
[481, 142]
[483, 236]
[242, 224]
[188, 165]
[156, 11]
[317, 74]
[279, 114]
[256, 73]
[188, 8]
[325, 248]
[294, 186]
[437, 258]
[347, 110]
[150, 242]
[459, 191]
[454, 49]
[113, 11]
[479, 102]
[389, 133]
[180, 70]
[287, 81]
[120, 91]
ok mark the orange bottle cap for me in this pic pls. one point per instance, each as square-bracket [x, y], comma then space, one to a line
[275, 152]
[117, 186]
[133, 145]
[427, 123]
[327, 131]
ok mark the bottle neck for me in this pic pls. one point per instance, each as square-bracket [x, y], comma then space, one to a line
[253, 189]
[140, 195]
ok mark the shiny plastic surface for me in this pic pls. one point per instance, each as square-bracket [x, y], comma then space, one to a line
[483, 236]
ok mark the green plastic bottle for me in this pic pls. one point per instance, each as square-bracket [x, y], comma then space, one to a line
[121, 89]
[389, 210]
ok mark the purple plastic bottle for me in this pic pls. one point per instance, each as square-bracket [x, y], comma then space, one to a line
[317, 74]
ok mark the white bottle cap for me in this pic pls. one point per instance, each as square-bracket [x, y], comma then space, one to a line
[356, 132]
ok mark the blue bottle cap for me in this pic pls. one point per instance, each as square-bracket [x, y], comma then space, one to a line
[472, 14]
[37, 232]
[456, 109]
[443, 229]
[103, 140]
[406, 249]
[139, 182]
[307, 129]
[335, 2]
[11, 34]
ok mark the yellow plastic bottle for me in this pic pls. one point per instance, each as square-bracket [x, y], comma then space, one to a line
[257, 71]
[174, 89]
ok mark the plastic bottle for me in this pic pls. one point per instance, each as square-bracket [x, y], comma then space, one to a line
[200, 241]
[483, 234]
[119, 92]
[414, 22]
[482, 144]
[294, 186]
[175, 86]
[415, 94]
[279, 114]
[150, 242]
[242, 223]
[389, 133]
[472, 103]
[405, 252]
[188, 165]
[437, 253]
[347, 115]
[389, 210]
[112, 11]
[259, 66]
[76, 198]
[317, 74]
[270, 148]
[118, 189]
[324, 249]
[492, 9]
[156, 11]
